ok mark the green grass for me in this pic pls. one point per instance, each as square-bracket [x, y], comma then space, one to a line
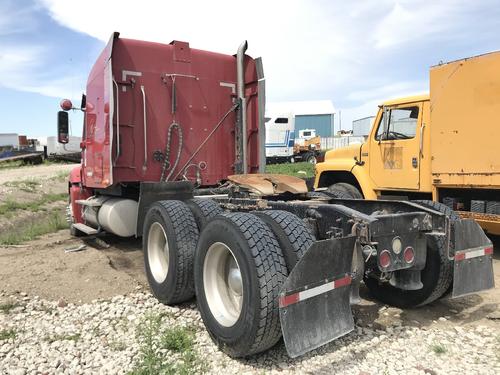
[11, 164]
[178, 339]
[6, 334]
[61, 176]
[19, 163]
[292, 169]
[6, 307]
[65, 337]
[9, 205]
[166, 351]
[438, 349]
[53, 222]
[27, 185]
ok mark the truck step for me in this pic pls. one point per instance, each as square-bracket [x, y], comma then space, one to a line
[85, 228]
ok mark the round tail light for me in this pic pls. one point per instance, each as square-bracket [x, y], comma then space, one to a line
[409, 254]
[384, 259]
[66, 104]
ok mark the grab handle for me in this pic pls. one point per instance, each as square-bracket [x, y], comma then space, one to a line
[144, 166]
[117, 120]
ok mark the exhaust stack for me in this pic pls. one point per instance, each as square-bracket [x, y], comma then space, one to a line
[241, 144]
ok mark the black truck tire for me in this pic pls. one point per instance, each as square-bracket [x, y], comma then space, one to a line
[169, 243]
[239, 270]
[348, 189]
[436, 277]
[318, 195]
[309, 157]
[203, 209]
[293, 236]
[333, 192]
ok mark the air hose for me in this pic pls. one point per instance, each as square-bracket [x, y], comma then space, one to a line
[168, 145]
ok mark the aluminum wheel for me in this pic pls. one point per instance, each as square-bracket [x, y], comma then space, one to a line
[223, 284]
[158, 252]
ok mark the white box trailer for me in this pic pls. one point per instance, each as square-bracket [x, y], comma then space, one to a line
[9, 140]
[54, 148]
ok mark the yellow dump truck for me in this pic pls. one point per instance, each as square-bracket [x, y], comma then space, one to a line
[444, 146]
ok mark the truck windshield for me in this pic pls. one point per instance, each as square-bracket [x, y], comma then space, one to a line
[401, 124]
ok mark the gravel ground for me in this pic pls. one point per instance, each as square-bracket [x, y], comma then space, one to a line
[102, 337]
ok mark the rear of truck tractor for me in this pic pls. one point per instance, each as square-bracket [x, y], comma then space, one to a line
[290, 264]
[264, 258]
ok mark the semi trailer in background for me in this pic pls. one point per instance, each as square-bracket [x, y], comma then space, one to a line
[70, 151]
[15, 147]
[173, 152]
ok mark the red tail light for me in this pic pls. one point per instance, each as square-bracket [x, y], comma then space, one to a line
[384, 259]
[409, 254]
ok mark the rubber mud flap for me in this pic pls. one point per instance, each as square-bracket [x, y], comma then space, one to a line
[314, 300]
[473, 259]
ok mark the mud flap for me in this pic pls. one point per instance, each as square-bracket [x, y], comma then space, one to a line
[473, 259]
[314, 300]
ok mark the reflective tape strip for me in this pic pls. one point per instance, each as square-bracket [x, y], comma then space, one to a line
[474, 253]
[291, 299]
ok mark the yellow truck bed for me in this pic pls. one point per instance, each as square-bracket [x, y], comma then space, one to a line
[465, 118]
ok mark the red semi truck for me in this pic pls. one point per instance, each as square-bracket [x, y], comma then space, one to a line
[173, 152]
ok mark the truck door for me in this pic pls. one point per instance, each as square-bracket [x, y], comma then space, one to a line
[395, 147]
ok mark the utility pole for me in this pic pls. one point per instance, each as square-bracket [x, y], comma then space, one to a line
[340, 120]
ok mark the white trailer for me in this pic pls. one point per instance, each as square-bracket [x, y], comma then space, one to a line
[54, 148]
[9, 140]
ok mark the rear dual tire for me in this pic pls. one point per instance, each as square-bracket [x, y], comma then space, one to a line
[239, 270]
[293, 236]
[238, 267]
[169, 243]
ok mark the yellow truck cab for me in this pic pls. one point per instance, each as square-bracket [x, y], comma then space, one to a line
[442, 147]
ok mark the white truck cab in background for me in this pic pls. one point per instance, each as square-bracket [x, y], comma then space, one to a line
[281, 144]
[280, 138]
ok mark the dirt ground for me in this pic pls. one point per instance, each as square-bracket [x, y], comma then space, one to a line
[43, 171]
[43, 268]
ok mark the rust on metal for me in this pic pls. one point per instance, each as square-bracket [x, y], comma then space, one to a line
[478, 216]
[269, 184]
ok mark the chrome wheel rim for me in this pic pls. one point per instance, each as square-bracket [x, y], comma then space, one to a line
[158, 252]
[223, 284]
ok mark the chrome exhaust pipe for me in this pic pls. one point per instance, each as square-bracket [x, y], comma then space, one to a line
[240, 73]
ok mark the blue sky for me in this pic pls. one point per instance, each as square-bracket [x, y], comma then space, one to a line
[354, 53]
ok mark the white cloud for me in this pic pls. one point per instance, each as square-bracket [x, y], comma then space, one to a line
[375, 96]
[345, 51]
[15, 19]
[307, 46]
[304, 45]
[22, 69]
[388, 91]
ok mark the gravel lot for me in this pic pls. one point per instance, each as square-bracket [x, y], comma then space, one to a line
[86, 313]
[100, 337]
